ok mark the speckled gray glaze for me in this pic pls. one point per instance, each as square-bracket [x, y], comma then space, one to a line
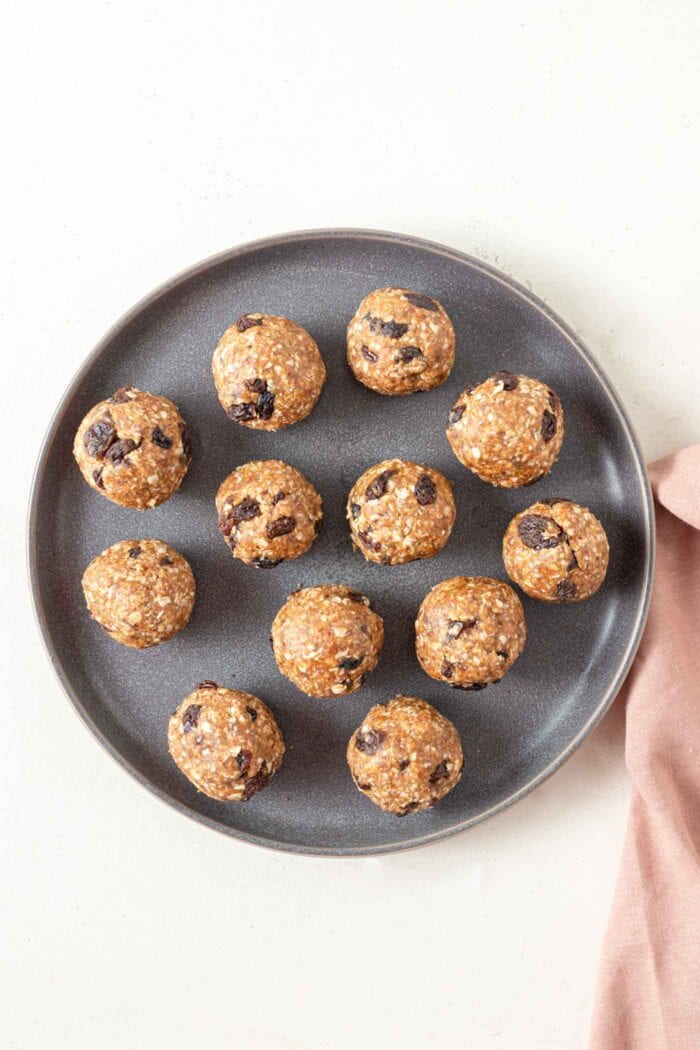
[514, 734]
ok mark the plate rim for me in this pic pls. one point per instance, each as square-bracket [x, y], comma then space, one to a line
[167, 287]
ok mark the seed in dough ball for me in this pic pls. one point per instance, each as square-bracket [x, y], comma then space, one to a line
[268, 513]
[141, 592]
[400, 511]
[327, 639]
[268, 371]
[508, 430]
[405, 756]
[470, 630]
[556, 551]
[226, 742]
[134, 448]
[400, 341]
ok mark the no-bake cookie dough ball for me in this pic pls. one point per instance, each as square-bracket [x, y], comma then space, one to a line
[141, 592]
[400, 511]
[470, 630]
[400, 341]
[226, 742]
[327, 639]
[508, 430]
[268, 371]
[268, 513]
[556, 551]
[134, 448]
[405, 756]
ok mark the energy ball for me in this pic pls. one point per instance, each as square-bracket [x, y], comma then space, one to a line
[400, 342]
[405, 756]
[226, 742]
[141, 592]
[400, 511]
[470, 630]
[508, 430]
[134, 448]
[268, 513]
[556, 551]
[268, 371]
[327, 639]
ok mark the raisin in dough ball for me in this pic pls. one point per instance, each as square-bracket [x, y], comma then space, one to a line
[508, 430]
[226, 742]
[400, 342]
[141, 592]
[133, 448]
[405, 756]
[470, 630]
[556, 551]
[399, 511]
[327, 639]
[268, 513]
[268, 372]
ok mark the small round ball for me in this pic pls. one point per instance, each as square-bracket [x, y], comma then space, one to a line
[400, 341]
[556, 551]
[405, 756]
[226, 742]
[268, 372]
[268, 513]
[327, 639]
[470, 630]
[508, 430]
[141, 592]
[400, 511]
[133, 448]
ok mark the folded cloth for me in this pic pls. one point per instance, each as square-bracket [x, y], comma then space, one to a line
[648, 993]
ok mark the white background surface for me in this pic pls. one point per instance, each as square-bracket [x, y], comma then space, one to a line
[558, 141]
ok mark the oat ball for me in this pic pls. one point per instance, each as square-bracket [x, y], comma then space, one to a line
[327, 639]
[141, 592]
[226, 742]
[556, 551]
[508, 429]
[470, 630]
[405, 756]
[400, 342]
[400, 511]
[134, 448]
[268, 513]
[268, 371]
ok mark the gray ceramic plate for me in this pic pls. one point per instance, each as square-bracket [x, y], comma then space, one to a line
[515, 733]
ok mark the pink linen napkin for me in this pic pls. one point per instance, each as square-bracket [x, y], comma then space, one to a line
[648, 993]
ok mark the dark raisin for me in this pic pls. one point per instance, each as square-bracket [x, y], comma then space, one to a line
[276, 499]
[191, 717]
[118, 452]
[159, 438]
[186, 441]
[369, 741]
[280, 527]
[252, 712]
[355, 509]
[474, 687]
[548, 427]
[368, 354]
[509, 381]
[551, 501]
[246, 321]
[256, 783]
[245, 510]
[553, 399]
[265, 405]
[503, 653]
[365, 540]
[362, 787]
[408, 353]
[439, 773]
[573, 562]
[241, 412]
[566, 590]
[99, 437]
[532, 530]
[404, 764]
[120, 396]
[355, 596]
[208, 684]
[456, 414]
[266, 563]
[447, 669]
[243, 760]
[165, 560]
[377, 488]
[425, 491]
[408, 809]
[455, 627]
[317, 526]
[97, 478]
[256, 386]
[134, 552]
[391, 329]
[422, 301]
[350, 663]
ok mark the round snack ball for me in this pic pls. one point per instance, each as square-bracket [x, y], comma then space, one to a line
[268, 513]
[134, 448]
[508, 429]
[141, 592]
[556, 551]
[405, 756]
[268, 371]
[400, 341]
[327, 639]
[470, 630]
[226, 742]
[400, 511]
